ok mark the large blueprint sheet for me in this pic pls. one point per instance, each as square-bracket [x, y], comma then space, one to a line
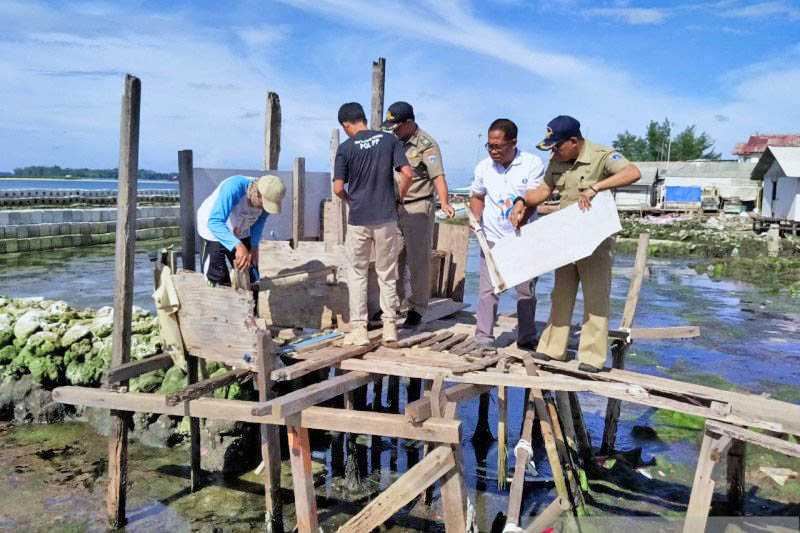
[555, 240]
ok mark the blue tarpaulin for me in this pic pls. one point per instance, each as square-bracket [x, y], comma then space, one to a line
[683, 195]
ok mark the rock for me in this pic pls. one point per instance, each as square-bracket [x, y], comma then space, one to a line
[7, 354]
[139, 312]
[43, 343]
[25, 401]
[29, 323]
[230, 449]
[142, 326]
[57, 308]
[161, 433]
[74, 334]
[105, 311]
[174, 380]
[102, 325]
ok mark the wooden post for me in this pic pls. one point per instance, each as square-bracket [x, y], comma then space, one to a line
[502, 434]
[298, 199]
[123, 292]
[735, 470]
[186, 184]
[703, 487]
[339, 207]
[619, 348]
[378, 84]
[272, 132]
[305, 501]
[270, 442]
[453, 488]
[188, 230]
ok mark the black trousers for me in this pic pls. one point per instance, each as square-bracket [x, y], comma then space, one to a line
[217, 260]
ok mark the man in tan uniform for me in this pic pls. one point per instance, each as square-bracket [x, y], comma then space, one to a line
[416, 209]
[578, 169]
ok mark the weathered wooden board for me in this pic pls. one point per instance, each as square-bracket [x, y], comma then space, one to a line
[453, 238]
[294, 402]
[325, 418]
[137, 368]
[312, 302]
[217, 323]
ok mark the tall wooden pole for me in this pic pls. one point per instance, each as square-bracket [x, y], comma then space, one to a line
[123, 292]
[272, 132]
[378, 83]
[298, 197]
[188, 230]
[339, 207]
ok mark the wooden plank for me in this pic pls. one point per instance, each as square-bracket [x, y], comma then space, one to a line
[547, 517]
[298, 198]
[759, 439]
[324, 418]
[378, 85]
[134, 369]
[228, 337]
[272, 132]
[188, 229]
[639, 267]
[420, 410]
[305, 499]
[441, 308]
[447, 343]
[453, 488]
[410, 341]
[480, 364]
[522, 457]
[196, 474]
[566, 459]
[502, 438]
[418, 478]
[712, 448]
[675, 332]
[124, 256]
[498, 283]
[339, 218]
[435, 340]
[454, 239]
[201, 388]
[270, 439]
[613, 405]
[323, 358]
[294, 402]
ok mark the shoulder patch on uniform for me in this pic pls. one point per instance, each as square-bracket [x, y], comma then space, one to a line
[425, 142]
[431, 158]
[616, 155]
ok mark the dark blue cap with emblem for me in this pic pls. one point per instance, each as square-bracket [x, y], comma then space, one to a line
[398, 112]
[560, 129]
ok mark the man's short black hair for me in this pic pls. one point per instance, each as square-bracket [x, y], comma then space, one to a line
[352, 112]
[505, 125]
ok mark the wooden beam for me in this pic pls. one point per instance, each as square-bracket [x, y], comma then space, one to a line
[522, 456]
[639, 268]
[418, 478]
[420, 410]
[736, 472]
[674, 332]
[305, 499]
[378, 86]
[196, 474]
[201, 388]
[409, 341]
[711, 451]
[324, 418]
[547, 517]
[123, 292]
[188, 229]
[447, 343]
[137, 368]
[759, 439]
[298, 198]
[453, 488]
[272, 132]
[339, 207]
[270, 439]
[294, 402]
[322, 358]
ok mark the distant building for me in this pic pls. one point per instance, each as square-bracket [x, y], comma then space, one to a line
[6, 174]
[729, 181]
[778, 170]
[756, 145]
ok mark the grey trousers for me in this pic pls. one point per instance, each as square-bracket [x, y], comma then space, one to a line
[487, 309]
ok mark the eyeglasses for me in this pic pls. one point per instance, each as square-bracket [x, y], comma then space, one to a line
[497, 147]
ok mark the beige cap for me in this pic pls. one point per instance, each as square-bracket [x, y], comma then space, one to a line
[272, 191]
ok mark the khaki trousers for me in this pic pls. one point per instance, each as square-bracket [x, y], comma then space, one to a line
[386, 240]
[594, 275]
[416, 223]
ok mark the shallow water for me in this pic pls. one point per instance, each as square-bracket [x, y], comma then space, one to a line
[749, 340]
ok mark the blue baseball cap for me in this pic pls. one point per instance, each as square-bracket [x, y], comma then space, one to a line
[560, 129]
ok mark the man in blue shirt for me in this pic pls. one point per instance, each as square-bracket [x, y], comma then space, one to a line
[231, 221]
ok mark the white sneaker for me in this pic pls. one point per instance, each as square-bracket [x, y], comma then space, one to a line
[357, 336]
[389, 331]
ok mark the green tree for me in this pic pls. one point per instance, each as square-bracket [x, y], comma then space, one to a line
[658, 144]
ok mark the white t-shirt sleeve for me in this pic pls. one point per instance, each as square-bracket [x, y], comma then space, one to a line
[478, 187]
[536, 172]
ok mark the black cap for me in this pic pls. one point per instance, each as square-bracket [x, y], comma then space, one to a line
[398, 112]
[560, 129]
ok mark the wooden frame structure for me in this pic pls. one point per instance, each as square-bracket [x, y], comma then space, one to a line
[441, 352]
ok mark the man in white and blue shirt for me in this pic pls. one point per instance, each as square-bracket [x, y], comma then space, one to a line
[231, 221]
[506, 174]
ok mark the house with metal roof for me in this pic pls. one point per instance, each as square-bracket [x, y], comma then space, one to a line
[756, 145]
[778, 170]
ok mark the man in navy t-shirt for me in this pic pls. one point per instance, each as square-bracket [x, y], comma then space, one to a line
[366, 163]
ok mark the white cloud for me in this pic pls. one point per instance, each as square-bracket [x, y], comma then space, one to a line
[259, 37]
[766, 9]
[630, 15]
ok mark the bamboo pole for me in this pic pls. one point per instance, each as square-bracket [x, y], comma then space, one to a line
[123, 292]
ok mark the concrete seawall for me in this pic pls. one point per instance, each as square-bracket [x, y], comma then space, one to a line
[25, 230]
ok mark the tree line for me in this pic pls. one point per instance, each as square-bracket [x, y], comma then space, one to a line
[658, 144]
[95, 173]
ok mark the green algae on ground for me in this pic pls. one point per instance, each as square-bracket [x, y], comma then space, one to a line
[771, 273]
[781, 391]
[672, 426]
[55, 435]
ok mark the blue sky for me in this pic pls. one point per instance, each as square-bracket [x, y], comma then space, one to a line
[730, 67]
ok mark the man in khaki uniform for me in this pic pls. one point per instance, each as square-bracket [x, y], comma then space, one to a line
[578, 169]
[416, 209]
